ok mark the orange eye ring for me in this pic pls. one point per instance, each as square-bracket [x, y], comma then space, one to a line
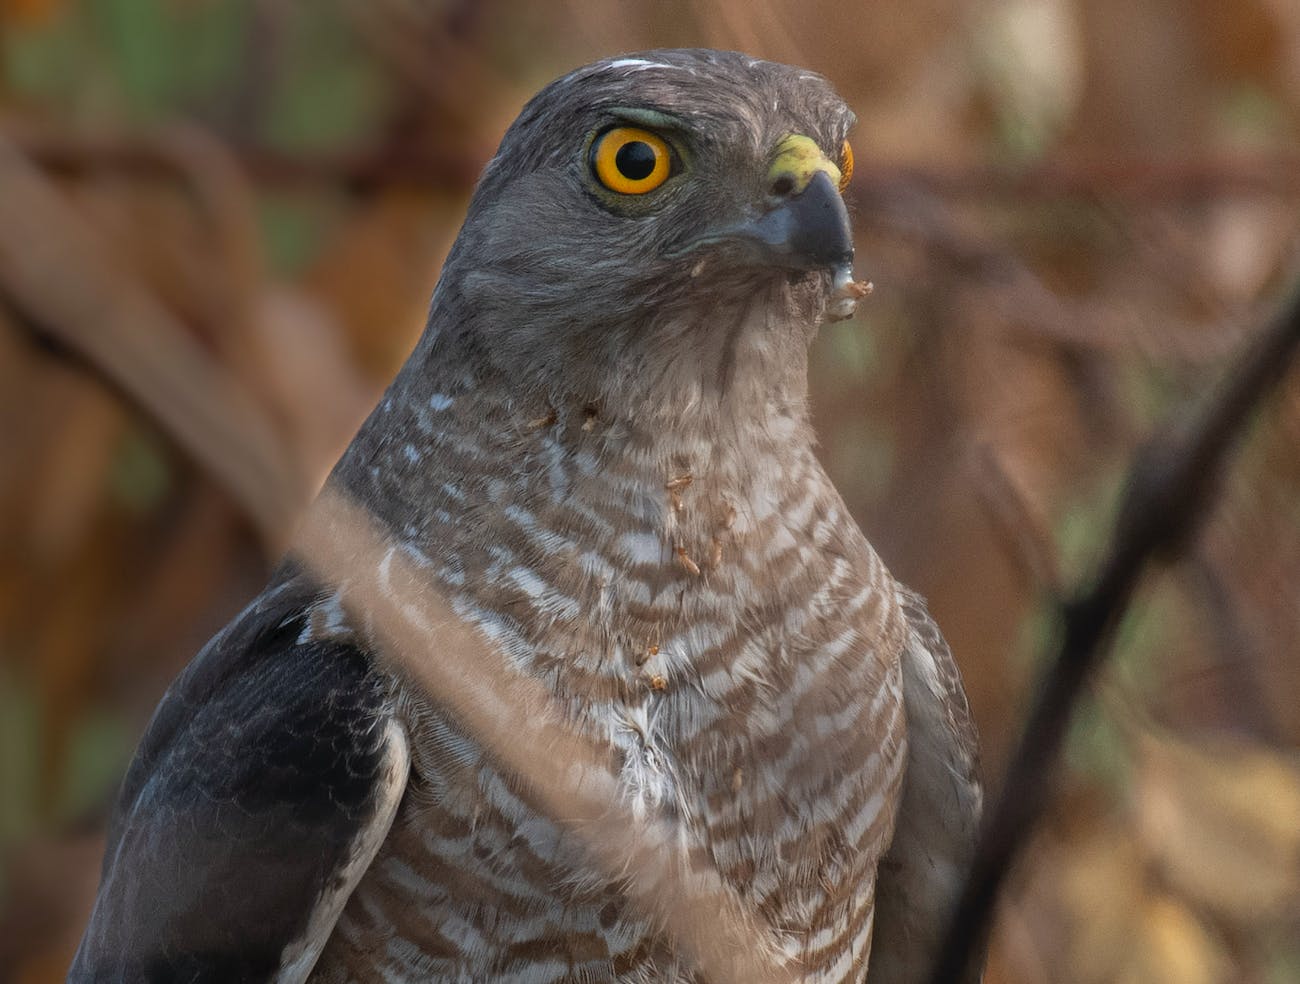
[846, 165]
[631, 161]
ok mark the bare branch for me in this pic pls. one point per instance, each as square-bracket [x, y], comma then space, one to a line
[1135, 178]
[1171, 487]
[153, 157]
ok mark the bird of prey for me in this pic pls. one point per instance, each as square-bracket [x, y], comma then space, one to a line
[600, 453]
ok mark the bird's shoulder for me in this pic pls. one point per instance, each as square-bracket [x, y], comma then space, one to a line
[263, 785]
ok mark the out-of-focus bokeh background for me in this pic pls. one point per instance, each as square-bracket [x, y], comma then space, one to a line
[221, 220]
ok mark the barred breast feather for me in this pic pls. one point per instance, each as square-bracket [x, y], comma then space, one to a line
[707, 609]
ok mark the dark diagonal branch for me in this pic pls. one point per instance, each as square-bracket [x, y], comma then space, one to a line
[1171, 486]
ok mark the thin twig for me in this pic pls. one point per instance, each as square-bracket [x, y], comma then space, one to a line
[1136, 178]
[568, 776]
[1171, 486]
[1017, 521]
[150, 157]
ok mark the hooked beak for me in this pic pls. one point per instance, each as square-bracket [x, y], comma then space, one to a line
[805, 225]
[808, 230]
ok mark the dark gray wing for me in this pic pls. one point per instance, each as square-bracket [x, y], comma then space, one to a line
[263, 786]
[922, 873]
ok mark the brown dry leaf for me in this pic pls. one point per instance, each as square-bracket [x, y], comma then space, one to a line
[1173, 947]
[1102, 887]
[30, 12]
[64, 497]
[1122, 927]
[1222, 822]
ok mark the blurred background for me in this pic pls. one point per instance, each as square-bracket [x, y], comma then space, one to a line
[220, 223]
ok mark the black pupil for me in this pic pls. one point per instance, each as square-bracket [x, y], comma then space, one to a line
[635, 160]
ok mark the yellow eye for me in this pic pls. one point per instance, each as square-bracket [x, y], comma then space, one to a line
[631, 161]
[846, 165]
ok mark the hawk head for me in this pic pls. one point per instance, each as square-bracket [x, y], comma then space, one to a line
[659, 232]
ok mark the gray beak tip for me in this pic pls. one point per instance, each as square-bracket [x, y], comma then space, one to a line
[805, 231]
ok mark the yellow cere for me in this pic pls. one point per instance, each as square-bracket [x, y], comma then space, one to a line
[631, 161]
[796, 160]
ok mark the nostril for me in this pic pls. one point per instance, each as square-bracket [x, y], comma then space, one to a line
[783, 185]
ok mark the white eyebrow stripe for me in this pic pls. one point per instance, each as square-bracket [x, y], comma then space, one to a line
[636, 64]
